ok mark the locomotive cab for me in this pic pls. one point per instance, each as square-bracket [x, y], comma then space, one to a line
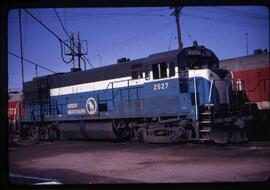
[209, 90]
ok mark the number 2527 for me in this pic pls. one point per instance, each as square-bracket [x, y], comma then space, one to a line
[161, 86]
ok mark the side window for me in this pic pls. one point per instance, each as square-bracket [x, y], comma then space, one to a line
[137, 74]
[134, 75]
[163, 70]
[102, 107]
[171, 69]
[147, 74]
[140, 74]
[155, 69]
[136, 71]
[159, 70]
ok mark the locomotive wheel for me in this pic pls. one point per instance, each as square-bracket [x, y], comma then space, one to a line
[121, 129]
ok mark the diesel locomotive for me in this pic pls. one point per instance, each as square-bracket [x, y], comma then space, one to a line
[178, 95]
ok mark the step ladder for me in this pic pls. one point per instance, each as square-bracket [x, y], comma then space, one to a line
[206, 120]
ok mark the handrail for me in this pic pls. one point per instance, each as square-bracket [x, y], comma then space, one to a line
[195, 95]
[108, 85]
[116, 82]
[115, 93]
[210, 91]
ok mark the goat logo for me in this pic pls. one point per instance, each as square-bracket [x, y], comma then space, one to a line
[91, 106]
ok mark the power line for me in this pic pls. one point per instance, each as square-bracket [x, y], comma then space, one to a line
[231, 20]
[65, 18]
[24, 33]
[61, 23]
[21, 48]
[245, 14]
[70, 37]
[62, 41]
[187, 33]
[19, 57]
[103, 14]
[231, 12]
[224, 20]
[145, 13]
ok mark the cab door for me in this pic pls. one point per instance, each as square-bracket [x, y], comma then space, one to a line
[185, 90]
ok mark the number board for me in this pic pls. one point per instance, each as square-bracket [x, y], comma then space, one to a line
[161, 86]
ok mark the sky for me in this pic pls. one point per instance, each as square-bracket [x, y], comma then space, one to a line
[112, 33]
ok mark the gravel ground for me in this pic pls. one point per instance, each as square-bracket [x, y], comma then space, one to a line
[77, 162]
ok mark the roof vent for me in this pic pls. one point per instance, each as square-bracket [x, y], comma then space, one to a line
[195, 43]
[75, 69]
[122, 60]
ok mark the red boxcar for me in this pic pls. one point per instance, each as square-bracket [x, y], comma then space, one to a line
[254, 72]
[15, 106]
[15, 109]
[256, 85]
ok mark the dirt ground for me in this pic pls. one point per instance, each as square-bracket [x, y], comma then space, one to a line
[77, 162]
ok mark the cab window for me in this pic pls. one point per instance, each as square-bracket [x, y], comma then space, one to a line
[159, 70]
[136, 71]
[137, 74]
[134, 75]
[147, 72]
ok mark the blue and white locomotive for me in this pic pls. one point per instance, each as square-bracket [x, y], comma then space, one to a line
[165, 97]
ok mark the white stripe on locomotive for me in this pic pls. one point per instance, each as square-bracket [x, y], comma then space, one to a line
[125, 82]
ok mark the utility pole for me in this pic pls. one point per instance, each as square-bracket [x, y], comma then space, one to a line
[72, 49]
[20, 23]
[247, 42]
[79, 51]
[176, 13]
